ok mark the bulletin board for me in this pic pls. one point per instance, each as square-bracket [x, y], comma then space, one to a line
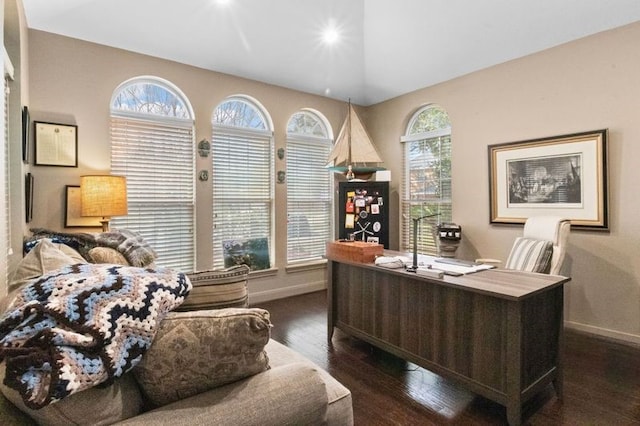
[364, 212]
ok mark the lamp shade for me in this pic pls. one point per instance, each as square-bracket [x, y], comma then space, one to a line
[103, 195]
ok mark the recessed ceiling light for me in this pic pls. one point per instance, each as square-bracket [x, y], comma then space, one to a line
[223, 3]
[331, 34]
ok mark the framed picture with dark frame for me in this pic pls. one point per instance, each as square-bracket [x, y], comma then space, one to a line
[72, 210]
[562, 176]
[56, 144]
[28, 196]
[26, 124]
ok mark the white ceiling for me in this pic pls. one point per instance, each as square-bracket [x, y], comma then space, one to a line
[387, 48]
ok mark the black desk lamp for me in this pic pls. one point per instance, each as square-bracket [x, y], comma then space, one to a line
[414, 267]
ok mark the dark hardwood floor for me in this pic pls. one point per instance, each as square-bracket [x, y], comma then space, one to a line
[601, 380]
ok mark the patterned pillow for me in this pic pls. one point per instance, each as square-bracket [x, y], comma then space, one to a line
[530, 255]
[197, 351]
[217, 289]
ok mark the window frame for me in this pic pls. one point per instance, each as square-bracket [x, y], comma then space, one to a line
[428, 240]
[183, 131]
[317, 246]
[226, 133]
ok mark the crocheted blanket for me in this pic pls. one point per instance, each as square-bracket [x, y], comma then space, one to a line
[83, 325]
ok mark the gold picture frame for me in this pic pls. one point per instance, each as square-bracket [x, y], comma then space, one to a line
[72, 209]
[562, 176]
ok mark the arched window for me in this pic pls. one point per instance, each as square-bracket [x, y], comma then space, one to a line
[152, 144]
[426, 187]
[308, 187]
[242, 160]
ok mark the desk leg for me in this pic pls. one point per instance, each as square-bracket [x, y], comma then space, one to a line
[514, 364]
[558, 381]
[330, 302]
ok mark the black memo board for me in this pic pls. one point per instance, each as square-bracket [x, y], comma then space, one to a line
[363, 211]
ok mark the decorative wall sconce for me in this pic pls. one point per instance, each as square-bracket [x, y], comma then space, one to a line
[204, 147]
[281, 153]
[281, 176]
[203, 175]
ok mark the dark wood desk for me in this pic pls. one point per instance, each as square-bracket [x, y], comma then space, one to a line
[497, 332]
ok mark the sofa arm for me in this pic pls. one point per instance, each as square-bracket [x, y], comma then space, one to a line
[290, 394]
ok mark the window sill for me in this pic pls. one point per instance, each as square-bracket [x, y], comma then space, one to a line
[306, 266]
[264, 273]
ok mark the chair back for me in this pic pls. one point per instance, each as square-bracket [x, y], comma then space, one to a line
[550, 228]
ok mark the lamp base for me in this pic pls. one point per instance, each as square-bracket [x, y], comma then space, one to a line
[105, 224]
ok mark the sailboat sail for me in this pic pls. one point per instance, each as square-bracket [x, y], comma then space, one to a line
[354, 147]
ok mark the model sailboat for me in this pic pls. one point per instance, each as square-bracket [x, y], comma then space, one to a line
[353, 153]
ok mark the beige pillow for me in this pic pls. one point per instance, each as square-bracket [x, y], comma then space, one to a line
[94, 406]
[42, 259]
[196, 351]
[107, 255]
[217, 289]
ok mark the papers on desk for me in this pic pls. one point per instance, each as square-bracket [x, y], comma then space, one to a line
[451, 266]
[432, 266]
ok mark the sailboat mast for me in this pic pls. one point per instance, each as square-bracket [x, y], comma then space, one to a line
[349, 134]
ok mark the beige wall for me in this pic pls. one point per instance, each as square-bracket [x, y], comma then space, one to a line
[72, 81]
[585, 85]
[589, 84]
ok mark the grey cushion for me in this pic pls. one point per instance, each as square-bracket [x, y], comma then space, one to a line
[340, 409]
[294, 394]
[94, 406]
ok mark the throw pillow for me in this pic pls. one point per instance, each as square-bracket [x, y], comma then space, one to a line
[196, 351]
[530, 255]
[45, 257]
[217, 289]
[94, 406]
[107, 255]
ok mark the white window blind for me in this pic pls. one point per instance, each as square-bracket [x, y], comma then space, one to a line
[426, 186]
[242, 178]
[156, 154]
[309, 183]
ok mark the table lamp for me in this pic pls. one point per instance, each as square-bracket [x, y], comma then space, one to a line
[414, 266]
[104, 196]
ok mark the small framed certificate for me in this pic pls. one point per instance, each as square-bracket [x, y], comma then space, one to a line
[56, 144]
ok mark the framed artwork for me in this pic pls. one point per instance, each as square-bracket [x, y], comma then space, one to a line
[72, 209]
[26, 124]
[28, 196]
[56, 144]
[561, 176]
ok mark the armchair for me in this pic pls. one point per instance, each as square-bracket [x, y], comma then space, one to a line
[542, 246]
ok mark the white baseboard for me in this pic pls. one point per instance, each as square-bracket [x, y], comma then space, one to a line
[604, 332]
[281, 293]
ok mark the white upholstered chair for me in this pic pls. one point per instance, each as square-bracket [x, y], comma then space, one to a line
[540, 232]
[542, 246]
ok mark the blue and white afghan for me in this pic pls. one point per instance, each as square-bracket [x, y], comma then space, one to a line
[83, 325]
